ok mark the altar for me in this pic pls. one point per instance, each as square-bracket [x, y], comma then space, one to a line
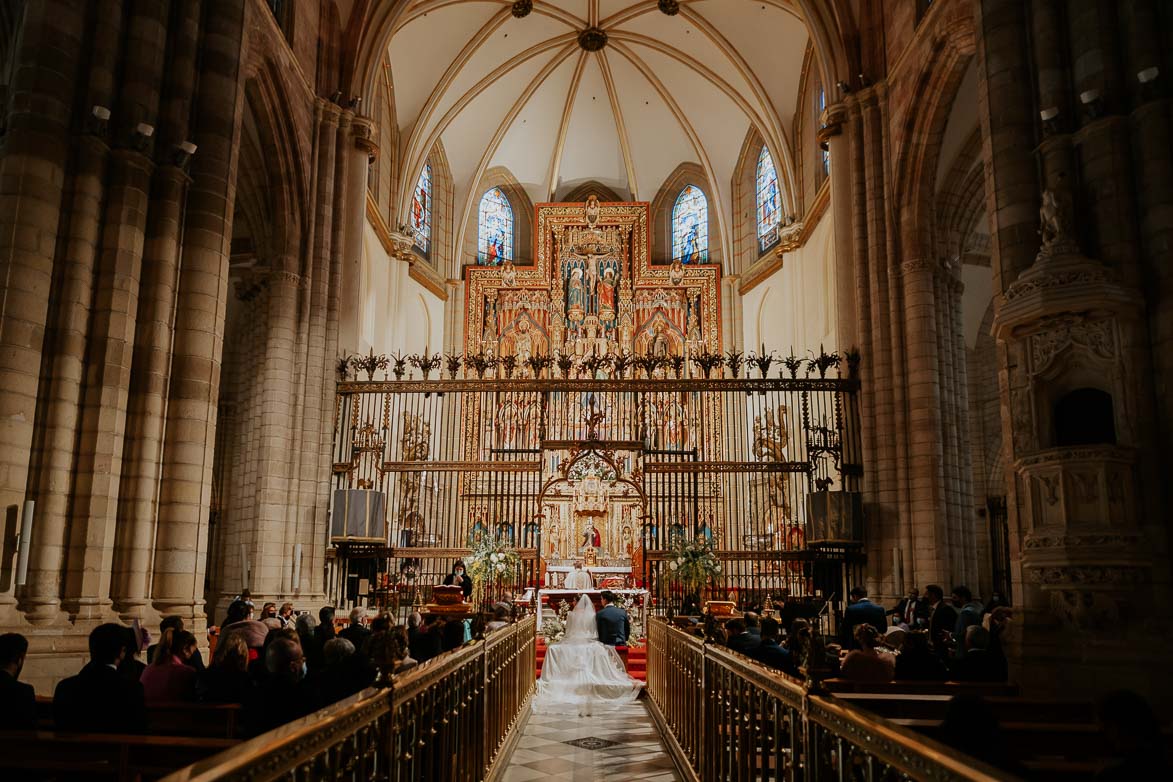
[556, 574]
[554, 596]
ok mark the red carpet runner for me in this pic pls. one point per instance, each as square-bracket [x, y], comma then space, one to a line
[637, 660]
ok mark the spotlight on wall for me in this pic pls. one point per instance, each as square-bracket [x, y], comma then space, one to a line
[843, 86]
[183, 152]
[1148, 75]
[1091, 99]
[96, 122]
[1048, 116]
[140, 138]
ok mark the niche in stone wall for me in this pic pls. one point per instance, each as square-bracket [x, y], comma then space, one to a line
[1084, 416]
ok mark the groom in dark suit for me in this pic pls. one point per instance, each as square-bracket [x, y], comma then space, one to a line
[612, 621]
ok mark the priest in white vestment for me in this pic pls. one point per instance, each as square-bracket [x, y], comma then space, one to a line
[578, 578]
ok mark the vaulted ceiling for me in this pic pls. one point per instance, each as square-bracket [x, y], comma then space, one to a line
[663, 90]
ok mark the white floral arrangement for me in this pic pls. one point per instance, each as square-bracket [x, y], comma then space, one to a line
[553, 627]
[693, 564]
[492, 561]
[635, 614]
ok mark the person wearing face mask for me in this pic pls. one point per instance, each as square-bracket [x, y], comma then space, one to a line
[460, 578]
[285, 694]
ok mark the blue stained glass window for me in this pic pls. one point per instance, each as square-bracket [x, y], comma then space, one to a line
[494, 229]
[825, 154]
[690, 226]
[421, 209]
[769, 202]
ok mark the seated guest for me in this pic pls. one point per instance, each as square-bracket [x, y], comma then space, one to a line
[305, 625]
[771, 652]
[254, 632]
[258, 669]
[500, 618]
[322, 633]
[978, 663]
[423, 638]
[860, 611]
[969, 613]
[452, 634]
[268, 611]
[345, 673]
[400, 650]
[866, 663]
[226, 680]
[738, 639]
[753, 625]
[916, 661]
[18, 701]
[169, 678]
[356, 632]
[175, 623]
[285, 694]
[134, 642]
[286, 614]
[1134, 736]
[98, 699]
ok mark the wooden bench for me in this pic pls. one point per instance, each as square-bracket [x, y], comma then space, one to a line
[196, 720]
[1080, 743]
[95, 756]
[984, 689]
[1005, 708]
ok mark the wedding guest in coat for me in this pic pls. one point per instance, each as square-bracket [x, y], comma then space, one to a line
[18, 701]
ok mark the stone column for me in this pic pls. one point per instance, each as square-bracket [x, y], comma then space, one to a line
[847, 318]
[151, 365]
[189, 442]
[32, 179]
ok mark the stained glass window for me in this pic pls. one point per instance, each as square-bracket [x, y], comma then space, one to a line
[769, 202]
[494, 229]
[421, 209]
[690, 226]
[825, 154]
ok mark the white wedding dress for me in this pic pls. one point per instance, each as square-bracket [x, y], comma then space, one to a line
[580, 675]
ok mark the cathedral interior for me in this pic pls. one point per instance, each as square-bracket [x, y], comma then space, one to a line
[310, 299]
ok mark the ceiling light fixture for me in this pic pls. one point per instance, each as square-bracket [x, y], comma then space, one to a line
[669, 7]
[592, 39]
[522, 8]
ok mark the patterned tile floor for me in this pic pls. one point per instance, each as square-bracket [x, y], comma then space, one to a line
[622, 745]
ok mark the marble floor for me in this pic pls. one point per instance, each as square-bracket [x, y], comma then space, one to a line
[621, 745]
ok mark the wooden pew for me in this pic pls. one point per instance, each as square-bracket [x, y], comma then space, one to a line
[195, 720]
[984, 689]
[94, 756]
[1005, 708]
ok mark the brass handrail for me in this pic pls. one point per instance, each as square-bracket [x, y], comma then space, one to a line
[725, 717]
[447, 719]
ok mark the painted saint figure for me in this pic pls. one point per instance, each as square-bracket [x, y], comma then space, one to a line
[607, 291]
[591, 537]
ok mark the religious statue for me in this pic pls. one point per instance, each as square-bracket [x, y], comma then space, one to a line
[659, 343]
[522, 341]
[592, 210]
[769, 444]
[591, 537]
[606, 290]
[576, 295]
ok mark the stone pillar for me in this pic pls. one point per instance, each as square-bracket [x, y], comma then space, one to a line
[847, 317]
[189, 442]
[32, 180]
[152, 345]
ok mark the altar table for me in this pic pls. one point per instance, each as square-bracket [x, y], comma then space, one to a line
[553, 595]
[595, 571]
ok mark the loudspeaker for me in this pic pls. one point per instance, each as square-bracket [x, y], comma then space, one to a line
[834, 517]
[359, 514]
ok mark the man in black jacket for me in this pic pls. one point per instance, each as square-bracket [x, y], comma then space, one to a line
[612, 622]
[18, 701]
[739, 639]
[771, 653]
[942, 620]
[860, 611]
[98, 699]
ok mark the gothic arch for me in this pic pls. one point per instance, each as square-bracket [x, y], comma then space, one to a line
[665, 200]
[581, 191]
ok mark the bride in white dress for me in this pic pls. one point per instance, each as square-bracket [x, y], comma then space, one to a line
[580, 674]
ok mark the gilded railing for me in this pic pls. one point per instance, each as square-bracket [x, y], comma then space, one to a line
[448, 719]
[727, 718]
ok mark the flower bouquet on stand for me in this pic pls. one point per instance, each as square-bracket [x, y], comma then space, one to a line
[693, 565]
[553, 627]
[493, 566]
